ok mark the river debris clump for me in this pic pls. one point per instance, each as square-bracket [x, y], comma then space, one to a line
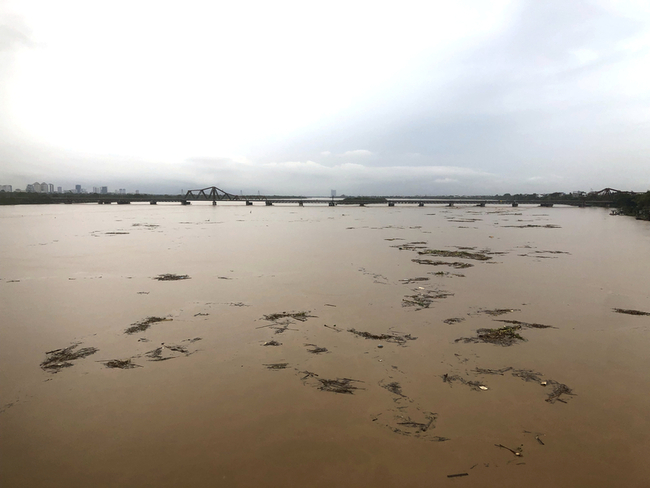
[416, 428]
[453, 320]
[393, 337]
[558, 390]
[166, 352]
[171, 277]
[456, 254]
[408, 281]
[339, 385]
[276, 366]
[473, 385]
[144, 324]
[527, 325]
[412, 246]
[316, 349]
[503, 336]
[499, 311]
[120, 364]
[630, 312]
[394, 387]
[61, 358]
[424, 299]
[272, 343]
[529, 226]
[455, 264]
[300, 316]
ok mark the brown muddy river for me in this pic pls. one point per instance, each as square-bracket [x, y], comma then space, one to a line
[319, 347]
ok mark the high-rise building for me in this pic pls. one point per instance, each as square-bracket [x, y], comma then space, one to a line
[77, 188]
[30, 189]
[6, 188]
[104, 190]
[59, 189]
[51, 188]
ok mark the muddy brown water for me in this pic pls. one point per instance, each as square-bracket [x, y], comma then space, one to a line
[212, 413]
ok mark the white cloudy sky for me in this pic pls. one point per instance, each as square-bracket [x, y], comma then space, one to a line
[366, 97]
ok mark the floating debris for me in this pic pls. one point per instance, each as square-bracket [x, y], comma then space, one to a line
[171, 277]
[559, 389]
[499, 311]
[394, 387]
[474, 385]
[424, 299]
[276, 366]
[300, 316]
[60, 358]
[144, 324]
[416, 427]
[414, 280]
[456, 254]
[528, 226]
[492, 371]
[316, 349]
[394, 337]
[272, 343]
[504, 336]
[455, 264]
[339, 385]
[516, 453]
[527, 375]
[457, 475]
[166, 352]
[453, 320]
[527, 325]
[121, 364]
[630, 312]
[116, 233]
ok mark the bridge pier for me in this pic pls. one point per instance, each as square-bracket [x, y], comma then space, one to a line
[451, 204]
[300, 204]
[269, 204]
[185, 202]
[482, 204]
[421, 204]
[332, 204]
[153, 202]
[248, 202]
[214, 202]
[362, 204]
[546, 204]
[515, 204]
[391, 204]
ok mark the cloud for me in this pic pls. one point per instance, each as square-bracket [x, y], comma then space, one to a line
[325, 153]
[358, 152]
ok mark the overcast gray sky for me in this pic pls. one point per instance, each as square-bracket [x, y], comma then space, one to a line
[300, 97]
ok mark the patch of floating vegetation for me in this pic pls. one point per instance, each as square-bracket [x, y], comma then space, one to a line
[394, 337]
[453, 320]
[394, 387]
[272, 343]
[164, 352]
[558, 390]
[58, 359]
[473, 385]
[503, 336]
[116, 233]
[300, 316]
[121, 364]
[171, 277]
[276, 366]
[456, 254]
[527, 325]
[408, 281]
[529, 226]
[416, 427]
[455, 264]
[144, 324]
[148, 226]
[339, 385]
[630, 312]
[499, 311]
[447, 273]
[425, 299]
[316, 349]
[412, 246]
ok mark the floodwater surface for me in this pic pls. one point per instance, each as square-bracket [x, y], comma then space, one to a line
[339, 346]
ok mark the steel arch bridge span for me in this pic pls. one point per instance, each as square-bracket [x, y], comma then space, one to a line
[210, 193]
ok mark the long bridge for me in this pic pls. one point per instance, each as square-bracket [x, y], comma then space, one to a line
[216, 195]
